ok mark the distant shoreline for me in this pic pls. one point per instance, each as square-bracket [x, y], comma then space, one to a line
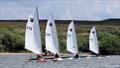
[111, 21]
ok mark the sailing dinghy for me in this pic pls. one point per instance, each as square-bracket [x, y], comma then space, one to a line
[51, 39]
[72, 45]
[93, 42]
[32, 35]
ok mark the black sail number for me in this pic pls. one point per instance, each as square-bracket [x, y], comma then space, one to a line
[28, 27]
[31, 19]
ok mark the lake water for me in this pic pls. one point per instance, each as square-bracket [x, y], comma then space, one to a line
[18, 61]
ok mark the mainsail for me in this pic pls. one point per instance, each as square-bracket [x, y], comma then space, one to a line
[32, 35]
[72, 45]
[51, 38]
[93, 41]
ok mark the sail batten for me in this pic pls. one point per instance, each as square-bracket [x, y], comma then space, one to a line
[32, 35]
[72, 45]
[93, 41]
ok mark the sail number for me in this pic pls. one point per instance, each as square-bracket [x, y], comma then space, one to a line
[28, 27]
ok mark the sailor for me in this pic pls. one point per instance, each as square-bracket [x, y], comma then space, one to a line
[76, 56]
[40, 58]
[55, 57]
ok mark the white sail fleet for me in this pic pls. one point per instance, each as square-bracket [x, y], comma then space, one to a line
[33, 37]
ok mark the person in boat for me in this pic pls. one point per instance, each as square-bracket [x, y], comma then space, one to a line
[76, 56]
[48, 53]
[55, 57]
[40, 58]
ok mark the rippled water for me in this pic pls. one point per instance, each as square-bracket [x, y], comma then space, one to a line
[18, 61]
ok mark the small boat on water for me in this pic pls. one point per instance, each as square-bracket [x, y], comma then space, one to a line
[72, 45]
[33, 35]
[93, 42]
[51, 39]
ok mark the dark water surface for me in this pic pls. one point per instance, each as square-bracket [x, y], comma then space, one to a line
[18, 61]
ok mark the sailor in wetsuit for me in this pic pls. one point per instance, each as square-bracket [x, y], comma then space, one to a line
[40, 58]
[76, 56]
[55, 57]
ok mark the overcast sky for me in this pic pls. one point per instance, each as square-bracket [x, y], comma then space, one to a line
[61, 9]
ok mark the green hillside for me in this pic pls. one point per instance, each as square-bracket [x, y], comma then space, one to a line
[12, 35]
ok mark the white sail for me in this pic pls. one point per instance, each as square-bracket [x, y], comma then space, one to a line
[32, 35]
[72, 45]
[93, 41]
[51, 38]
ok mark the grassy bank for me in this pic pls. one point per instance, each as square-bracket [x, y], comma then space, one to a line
[12, 35]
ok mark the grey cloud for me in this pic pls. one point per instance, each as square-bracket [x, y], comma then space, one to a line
[68, 9]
